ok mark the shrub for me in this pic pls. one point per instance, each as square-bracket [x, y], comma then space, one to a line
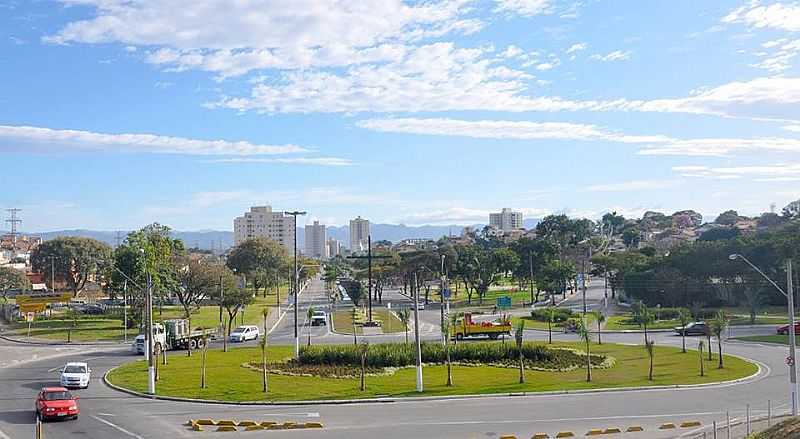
[559, 316]
[400, 355]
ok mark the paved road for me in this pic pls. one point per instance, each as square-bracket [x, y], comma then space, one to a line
[109, 414]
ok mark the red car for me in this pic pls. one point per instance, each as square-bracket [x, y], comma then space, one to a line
[784, 330]
[55, 403]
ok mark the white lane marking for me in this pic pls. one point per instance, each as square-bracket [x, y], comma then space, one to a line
[106, 414]
[117, 427]
[3, 435]
[308, 415]
[54, 369]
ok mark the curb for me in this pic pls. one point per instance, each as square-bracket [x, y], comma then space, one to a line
[755, 375]
[59, 343]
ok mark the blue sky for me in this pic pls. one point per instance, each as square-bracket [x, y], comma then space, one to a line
[117, 113]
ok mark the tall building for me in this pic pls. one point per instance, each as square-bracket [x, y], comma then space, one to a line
[261, 221]
[506, 220]
[334, 248]
[359, 232]
[316, 237]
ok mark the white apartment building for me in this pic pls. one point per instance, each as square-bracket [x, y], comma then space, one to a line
[506, 220]
[334, 248]
[359, 233]
[261, 221]
[316, 237]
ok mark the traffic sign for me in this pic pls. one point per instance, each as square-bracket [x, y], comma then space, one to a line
[446, 293]
[789, 361]
[43, 298]
[29, 316]
[504, 302]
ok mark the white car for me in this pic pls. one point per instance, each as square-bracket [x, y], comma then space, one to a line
[244, 333]
[319, 318]
[76, 375]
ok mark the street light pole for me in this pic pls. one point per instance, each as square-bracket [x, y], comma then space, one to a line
[296, 279]
[416, 334]
[151, 371]
[792, 339]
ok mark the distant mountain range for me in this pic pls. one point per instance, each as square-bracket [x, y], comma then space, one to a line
[216, 239]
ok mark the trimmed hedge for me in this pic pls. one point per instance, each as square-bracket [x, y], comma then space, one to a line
[401, 355]
[560, 315]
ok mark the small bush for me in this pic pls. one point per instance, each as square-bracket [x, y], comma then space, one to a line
[560, 315]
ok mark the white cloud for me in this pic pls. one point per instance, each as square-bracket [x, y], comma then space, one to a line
[779, 59]
[317, 161]
[512, 51]
[87, 140]
[525, 8]
[577, 47]
[792, 128]
[617, 55]
[546, 66]
[634, 186]
[189, 34]
[769, 173]
[775, 16]
[525, 130]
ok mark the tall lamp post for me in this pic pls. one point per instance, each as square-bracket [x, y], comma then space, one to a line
[295, 214]
[792, 345]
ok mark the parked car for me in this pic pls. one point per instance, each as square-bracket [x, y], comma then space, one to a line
[76, 375]
[55, 403]
[244, 333]
[694, 328]
[319, 318]
[92, 309]
[420, 306]
[784, 330]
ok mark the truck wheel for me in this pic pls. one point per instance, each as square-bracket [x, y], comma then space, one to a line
[157, 348]
[459, 337]
[193, 344]
[493, 336]
[200, 344]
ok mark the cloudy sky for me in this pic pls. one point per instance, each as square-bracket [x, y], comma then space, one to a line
[117, 113]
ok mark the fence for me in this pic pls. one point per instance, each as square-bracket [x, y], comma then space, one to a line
[741, 422]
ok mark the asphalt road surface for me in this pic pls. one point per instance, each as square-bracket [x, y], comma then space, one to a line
[106, 413]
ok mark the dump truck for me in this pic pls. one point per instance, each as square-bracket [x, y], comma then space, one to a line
[173, 334]
[466, 327]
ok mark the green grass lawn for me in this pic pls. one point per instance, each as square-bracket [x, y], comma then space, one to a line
[489, 300]
[775, 338]
[110, 328]
[530, 323]
[343, 322]
[623, 322]
[228, 380]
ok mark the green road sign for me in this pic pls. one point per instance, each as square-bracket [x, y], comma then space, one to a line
[504, 302]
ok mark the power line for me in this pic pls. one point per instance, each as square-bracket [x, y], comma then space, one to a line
[14, 221]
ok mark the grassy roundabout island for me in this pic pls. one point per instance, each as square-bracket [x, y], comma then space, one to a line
[332, 371]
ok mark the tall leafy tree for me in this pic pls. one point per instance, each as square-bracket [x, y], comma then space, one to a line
[719, 324]
[519, 333]
[75, 259]
[586, 336]
[12, 279]
[234, 301]
[650, 346]
[199, 280]
[261, 260]
[684, 317]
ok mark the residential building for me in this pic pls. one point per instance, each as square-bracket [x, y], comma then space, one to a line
[334, 248]
[359, 234]
[316, 237]
[261, 221]
[506, 220]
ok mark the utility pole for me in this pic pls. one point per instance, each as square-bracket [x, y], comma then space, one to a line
[530, 265]
[792, 338]
[221, 299]
[151, 371]
[125, 311]
[416, 334]
[369, 259]
[14, 221]
[296, 280]
[53, 273]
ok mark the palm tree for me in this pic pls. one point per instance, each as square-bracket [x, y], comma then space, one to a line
[263, 345]
[708, 336]
[519, 330]
[650, 346]
[586, 336]
[600, 318]
[685, 318]
[718, 325]
[700, 346]
[405, 316]
[551, 316]
[204, 350]
[643, 316]
[363, 349]
[446, 335]
[265, 314]
[309, 314]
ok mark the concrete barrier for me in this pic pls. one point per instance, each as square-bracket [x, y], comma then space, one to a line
[634, 429]
[226, 423]
[612, 430]
[253, 428]
[226, 428]
[508, 437]
[197, 427]
[594, 432]
[246, 423]
[204, 422]
[688, 424]
[313, 425]
[565, 434]
[667, 426]
[540, 436]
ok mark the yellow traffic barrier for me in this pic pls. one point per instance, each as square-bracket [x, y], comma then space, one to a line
[253, 428]
[272, 426]
[189, 423]
[226, 428]
[204, 422]
[595, 432]
[612, 430]
[667, 426]
[227, 423]
[313, 425]
[197, 427]
[565, 434]
[508, 437]
[634, 429]
[540, 436]
[291, 426]
[246, 423]
[688, 424]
